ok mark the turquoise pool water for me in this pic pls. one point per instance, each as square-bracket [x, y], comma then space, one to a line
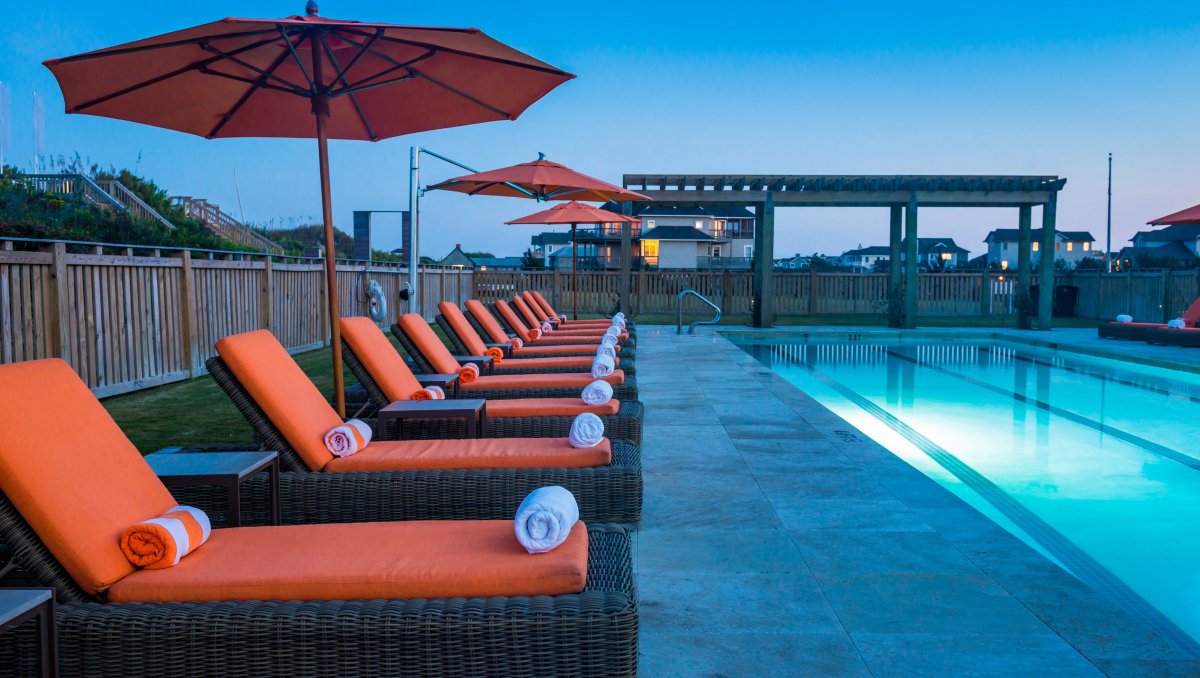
[1094, 462]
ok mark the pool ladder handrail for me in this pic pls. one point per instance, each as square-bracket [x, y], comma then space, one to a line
[692, 328]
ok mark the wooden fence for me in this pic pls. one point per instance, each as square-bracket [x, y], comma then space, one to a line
[127, 322]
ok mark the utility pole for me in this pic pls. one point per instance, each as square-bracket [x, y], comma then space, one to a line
[1108, 243]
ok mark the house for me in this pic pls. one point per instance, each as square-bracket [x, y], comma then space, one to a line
[937, 254]
[543, 243]
[498, 263]
[457, 259]
[1182, 228]
[791, 263]
[865, 258]
[685, 247]
[1070, 246]
[730, 231]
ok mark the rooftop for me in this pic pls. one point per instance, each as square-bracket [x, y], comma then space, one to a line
[677, 233]
[1013, 234]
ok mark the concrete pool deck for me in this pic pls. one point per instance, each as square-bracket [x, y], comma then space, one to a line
[777, 540]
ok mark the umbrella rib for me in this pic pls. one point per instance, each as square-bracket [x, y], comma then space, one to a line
[166, 76]
[299, 62]
[342, 72]
[468, 97]
[147, 48]
[341, 76]
[476, 55]
[396, 66]
[253, 81]
[260, 83]
[248, 66]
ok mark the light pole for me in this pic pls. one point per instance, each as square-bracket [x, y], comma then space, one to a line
[1108, 243]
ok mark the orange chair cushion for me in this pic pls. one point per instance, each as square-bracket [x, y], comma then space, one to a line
[548, 407]
[582, 362]
[487, 321]
[510, 317]
[71, 472]
[561, 338]
[545, 305]
[284, 393]
[537, 309]
[467, 334]
[426, 340]
[529, 351]
[571, 380]
[441, 455]
[526, 314]
[1191, 317]
[364, 561]
[379, 357]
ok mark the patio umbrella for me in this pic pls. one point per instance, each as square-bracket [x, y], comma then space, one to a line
[540, 180]
[307, 77]
[574, 213]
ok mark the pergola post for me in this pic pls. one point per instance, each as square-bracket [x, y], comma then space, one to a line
[764, 263]
[910, 262]
[895, 300]
[1024, 239]
[626, 264]
[1046, 262]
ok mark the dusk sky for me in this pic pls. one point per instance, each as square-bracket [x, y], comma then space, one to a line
[786, 88]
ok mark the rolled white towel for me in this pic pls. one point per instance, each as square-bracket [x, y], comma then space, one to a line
[608, 340]
[613, 331]
[618, 316]
[547, 328]
[1177, 324]
[545, 518]
[438, 393]
[608, 351]
[619, 324]
[598, 392]
[1124, 318]
[349, 438]
[586, 431]
[603, 366]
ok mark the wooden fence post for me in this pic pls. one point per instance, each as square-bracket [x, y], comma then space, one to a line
[557, 289]
[57, 307]
[324, 306]
[265, 296]
[1166, 295]
[812, 290]
[985, 292]
[187, 313]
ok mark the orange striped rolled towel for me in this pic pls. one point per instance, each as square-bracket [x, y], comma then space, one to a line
[349, 438]
[468, 373]
[162, 542]
[534, 334]
[516, 343]
[496, 353]
[429, 393]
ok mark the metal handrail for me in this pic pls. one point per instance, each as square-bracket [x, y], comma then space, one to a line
[692, 328]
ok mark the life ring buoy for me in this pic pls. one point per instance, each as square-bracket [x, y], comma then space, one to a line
[376, 301]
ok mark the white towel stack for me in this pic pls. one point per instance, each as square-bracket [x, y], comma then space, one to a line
[544, 520]
[603, 366]
[1124, 318]
[586, 431]
[1177, 324]
[598, 392]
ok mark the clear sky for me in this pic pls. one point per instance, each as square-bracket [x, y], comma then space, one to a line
[698, 87]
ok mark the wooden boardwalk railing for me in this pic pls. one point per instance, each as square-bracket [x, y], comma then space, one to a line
[128, 322]
[224, 225]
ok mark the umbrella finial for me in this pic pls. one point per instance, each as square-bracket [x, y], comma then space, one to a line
[541, 156]
[310, 8]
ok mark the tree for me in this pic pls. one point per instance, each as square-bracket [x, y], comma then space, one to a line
[480, 255]
[818, 262]
[530, 259]
[1090, 264]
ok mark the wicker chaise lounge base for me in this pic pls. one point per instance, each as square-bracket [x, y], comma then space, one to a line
[627, 352]
[611, 493]
[592, 633]
[627, 365]
[1131, 331]
[626, 391]
[1174, 337]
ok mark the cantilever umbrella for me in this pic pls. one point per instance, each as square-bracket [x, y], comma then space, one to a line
[574, 213]
[540, 180]
[305, 77]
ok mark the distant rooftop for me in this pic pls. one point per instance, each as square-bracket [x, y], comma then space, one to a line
[1013, 234]
[677, 233]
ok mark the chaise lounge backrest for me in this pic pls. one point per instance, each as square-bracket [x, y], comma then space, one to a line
[510, 317]
[70, 472]
[526, 314]
[534, 306]
[427, 343]
[545, 304]
[283, 392]
[379, 358]
[466, 334]
[487, 321]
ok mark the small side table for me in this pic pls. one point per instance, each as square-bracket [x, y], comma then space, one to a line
[471, 410]
[18, 606]
[227, 469]
[446, 382]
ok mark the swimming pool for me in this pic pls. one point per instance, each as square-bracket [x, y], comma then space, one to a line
[1094, 462]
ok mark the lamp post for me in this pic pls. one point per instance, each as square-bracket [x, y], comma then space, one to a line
[1108, 243]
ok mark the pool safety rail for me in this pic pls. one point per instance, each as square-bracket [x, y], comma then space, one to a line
[692, 328]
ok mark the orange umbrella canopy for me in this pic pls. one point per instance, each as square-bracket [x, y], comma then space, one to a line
[256, 77]
[574, 213]
[541, 180]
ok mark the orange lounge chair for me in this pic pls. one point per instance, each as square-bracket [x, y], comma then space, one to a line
[350, 598]
[486, 325]
[431, 355]
[1139, 331]
[467, 341]
[386, 378]
[536, 300]
[506, 314]
[530, 318]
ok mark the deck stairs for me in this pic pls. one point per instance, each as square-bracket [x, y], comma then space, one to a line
[223, 224]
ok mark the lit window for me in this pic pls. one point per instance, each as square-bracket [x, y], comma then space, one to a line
[1004, 265]
[700, 224]
[1087, 247]
[946, 256]
[1070, 246]
[1035, 246]
[649, 223]
[649, 248]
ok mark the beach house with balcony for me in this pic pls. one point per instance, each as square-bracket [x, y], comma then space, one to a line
[1070, 246]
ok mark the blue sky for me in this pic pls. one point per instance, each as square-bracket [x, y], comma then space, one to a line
[804, 88]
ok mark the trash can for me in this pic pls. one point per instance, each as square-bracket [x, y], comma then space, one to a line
[1065, 297]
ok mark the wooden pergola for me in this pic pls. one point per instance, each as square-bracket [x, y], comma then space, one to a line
[904, 195]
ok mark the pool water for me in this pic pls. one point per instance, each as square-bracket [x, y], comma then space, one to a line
[1094, 462]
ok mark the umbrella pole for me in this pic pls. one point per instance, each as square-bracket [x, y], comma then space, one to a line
[321, 112]
[574, 275]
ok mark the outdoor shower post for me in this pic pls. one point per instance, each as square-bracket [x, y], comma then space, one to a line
[414, 220]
